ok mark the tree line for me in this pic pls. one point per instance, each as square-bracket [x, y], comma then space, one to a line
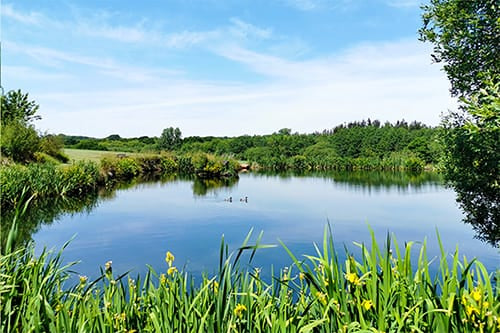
[366, 144]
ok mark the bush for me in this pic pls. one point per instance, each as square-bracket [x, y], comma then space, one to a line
[40, 157]
[120, 168]
[185, 163]
[90, 144]
[299, 163]
[19, 142]
[80, 177]
[414, 164]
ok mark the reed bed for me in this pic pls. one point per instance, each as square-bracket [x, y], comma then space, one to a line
[378, 290]
[44, 181]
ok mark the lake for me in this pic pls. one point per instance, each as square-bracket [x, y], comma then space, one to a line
[137, 225]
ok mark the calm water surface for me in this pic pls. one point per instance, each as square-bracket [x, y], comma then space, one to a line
[188, 218]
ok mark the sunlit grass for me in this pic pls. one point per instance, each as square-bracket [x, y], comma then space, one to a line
[96, 156]
[378, 290]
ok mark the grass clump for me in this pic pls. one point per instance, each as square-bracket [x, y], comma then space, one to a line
[379, 291]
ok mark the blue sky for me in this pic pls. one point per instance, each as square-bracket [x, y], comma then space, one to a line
[219, 67]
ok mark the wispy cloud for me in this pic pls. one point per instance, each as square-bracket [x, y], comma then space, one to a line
[237, 30]
[52, 57]
[32, 18]
[404, 3]
[245, 29]
[61, 60]
[388, 81]
[305, 5]
[314, 5]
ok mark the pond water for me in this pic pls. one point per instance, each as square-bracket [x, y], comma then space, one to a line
[136, 226]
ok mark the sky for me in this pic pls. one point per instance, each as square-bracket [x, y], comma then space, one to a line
[219, 67]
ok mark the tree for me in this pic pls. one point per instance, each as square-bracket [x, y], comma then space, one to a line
[466, 38]
[472, 161]
[16, 106]
[170, 138]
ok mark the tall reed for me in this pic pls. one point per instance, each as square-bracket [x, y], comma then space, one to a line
[380, 290]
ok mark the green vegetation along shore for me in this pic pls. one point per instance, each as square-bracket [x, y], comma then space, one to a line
[379, 290]
[47, 180]
[362, 145]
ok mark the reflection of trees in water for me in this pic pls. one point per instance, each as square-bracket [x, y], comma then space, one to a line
[202, 187]
[45, 212]
[368, 180]
[482, 212]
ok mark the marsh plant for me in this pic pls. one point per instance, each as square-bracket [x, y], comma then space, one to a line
[48, 180]
[378, 289]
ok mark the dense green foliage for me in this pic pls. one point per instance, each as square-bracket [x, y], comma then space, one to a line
[364, 145]
[20, 141]
[466, 38]
[473, 162]
[359, 145]
[170, 139]
[48, 180]
[16, 107]
[379, 291]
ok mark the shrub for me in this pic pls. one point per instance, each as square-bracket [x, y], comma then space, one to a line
[299, 163]
[40, 157]
[414, 164]
[19, 142]
[79, 178]
[90, 144]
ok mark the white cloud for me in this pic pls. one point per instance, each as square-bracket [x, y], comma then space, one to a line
[404, 3]
[315, 5]
[245, 29]
[61, 60]
[305, 5]
[118, 33]
[386, 81]
[31, 18]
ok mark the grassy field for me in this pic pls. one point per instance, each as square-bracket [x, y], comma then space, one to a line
[92, 155]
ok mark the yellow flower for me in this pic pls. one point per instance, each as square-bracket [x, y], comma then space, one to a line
[321, 297]
[476, 295]
[352, 278]
[238, 311]
[169, 258]
[172, 270]
[107, 265]
[367, 304]
[215, 286]
[163, 279]
[470, 310]
[83, 279]
[464, 299]
[485, 305]
[302, 276]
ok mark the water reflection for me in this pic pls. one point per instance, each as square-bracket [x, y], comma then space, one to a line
[141, 219]
[371, 180]
[46, 212]
[202, 187]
